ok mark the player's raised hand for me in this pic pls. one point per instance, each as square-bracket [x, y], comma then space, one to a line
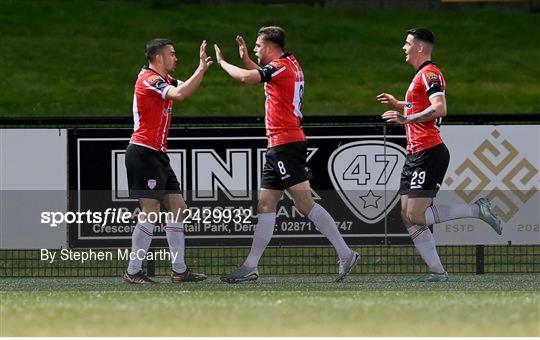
[219, 54]
[242, 47]
[386, 98]
[394, 117]
[204, 60]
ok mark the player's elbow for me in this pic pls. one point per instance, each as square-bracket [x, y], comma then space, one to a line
[179, 98]
[248, 80]
[440, 109]
[177, 95]
[250, 77]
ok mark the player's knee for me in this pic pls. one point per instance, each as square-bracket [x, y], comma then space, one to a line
[405, 217]
[266, 207]
[416, 217]
[304, 209]
[304, 206]
[150, 205]
[181, 210]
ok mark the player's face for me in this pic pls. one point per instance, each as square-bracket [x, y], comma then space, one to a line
[169, 58]
[410, 49]
[261, 51]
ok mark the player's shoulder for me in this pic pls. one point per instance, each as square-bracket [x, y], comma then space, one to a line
[431, 70]
[429, 74]
[148, 76]
[169, 78]
[153, 78]
[290, 57]
[277, 64]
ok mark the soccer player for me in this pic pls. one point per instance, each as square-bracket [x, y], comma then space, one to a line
[285, 167]
[150, 177]
[427, 156]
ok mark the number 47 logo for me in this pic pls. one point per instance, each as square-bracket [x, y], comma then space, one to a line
[366, 175]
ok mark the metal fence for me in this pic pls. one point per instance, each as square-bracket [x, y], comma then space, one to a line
[285, 260]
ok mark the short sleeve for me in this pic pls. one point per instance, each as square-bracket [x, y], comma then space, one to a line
[434, 83]
[271, 71]
[158, 85]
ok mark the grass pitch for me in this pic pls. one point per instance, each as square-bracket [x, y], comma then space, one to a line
[80, 58]
[368, 305]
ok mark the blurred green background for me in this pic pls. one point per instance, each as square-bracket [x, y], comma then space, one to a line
[81, 58]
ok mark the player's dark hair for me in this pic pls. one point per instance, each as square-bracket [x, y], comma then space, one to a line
[155, 46]
[422, 34]
[273, 34]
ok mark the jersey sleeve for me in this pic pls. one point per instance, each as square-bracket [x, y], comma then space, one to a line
[434, 83]
[158, 85]
[272, 71]
[174, 82]
[177, 82]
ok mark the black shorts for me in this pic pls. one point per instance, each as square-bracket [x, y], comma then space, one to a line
[424, 171]
[285, 166]
[149, 173]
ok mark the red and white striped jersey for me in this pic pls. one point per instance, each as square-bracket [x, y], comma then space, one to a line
[427, 83]
[151, 111]
[284, 89]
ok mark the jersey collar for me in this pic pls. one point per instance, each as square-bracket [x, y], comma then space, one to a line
[146, 67]
[426, 63]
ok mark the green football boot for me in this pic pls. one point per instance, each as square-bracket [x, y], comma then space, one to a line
[488, 216]
[241, 274]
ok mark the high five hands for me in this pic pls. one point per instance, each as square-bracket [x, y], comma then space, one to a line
[204, 60]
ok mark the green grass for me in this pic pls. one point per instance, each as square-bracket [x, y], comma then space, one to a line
[80, 58]
[368, 305]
